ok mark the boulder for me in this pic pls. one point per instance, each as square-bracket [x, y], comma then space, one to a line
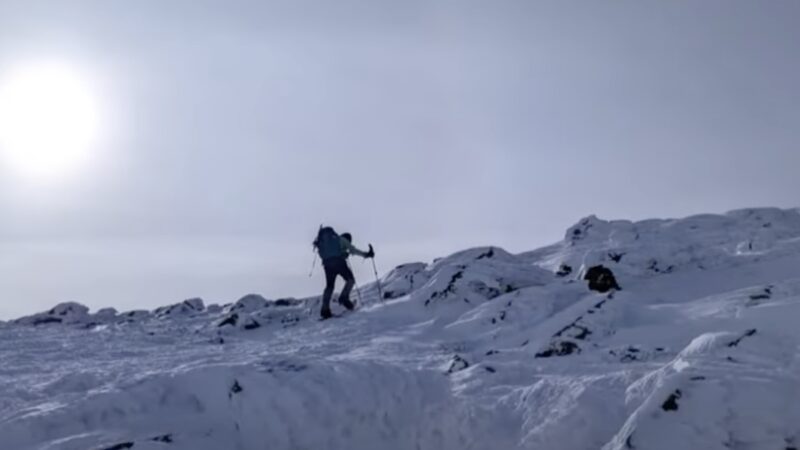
[214, 309]
[564, 270]
[63, 313]
[186, 307]
[247, 304]
[239, 321]
[601, 279]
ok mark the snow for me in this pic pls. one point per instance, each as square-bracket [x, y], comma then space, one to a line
[482, 349]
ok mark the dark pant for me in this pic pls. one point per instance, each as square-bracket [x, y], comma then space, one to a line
[333, 268]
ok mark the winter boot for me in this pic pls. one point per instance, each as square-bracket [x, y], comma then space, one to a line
[347, 303]
[325, 313]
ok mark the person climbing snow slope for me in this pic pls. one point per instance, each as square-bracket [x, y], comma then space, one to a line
[333, 250]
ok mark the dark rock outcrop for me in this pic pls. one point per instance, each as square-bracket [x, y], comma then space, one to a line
[66, 313]
[166, 438]
[601, 279]
[736, 342]
[186, 307]
[245, 322]
[458, 364]
[559, 348]
[120, 446]
[671, 404]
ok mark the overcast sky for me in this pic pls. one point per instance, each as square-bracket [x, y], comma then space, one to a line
[233, 129]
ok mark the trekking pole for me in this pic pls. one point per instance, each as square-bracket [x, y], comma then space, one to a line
[314, 250]
[313, 266]
[355, 283]
[377, 279]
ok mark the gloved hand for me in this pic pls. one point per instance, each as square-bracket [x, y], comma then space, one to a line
[371, 252]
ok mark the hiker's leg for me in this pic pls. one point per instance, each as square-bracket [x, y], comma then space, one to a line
[330, 283]
[349, 282]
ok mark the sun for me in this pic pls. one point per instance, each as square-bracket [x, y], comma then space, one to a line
[48, 119]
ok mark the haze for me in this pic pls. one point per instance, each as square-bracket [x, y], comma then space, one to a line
[233, 129]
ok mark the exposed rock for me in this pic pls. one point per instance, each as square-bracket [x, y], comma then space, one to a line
[136, 315]
[564, 270]
[283, 366]
[671, 404]
[450, 289]
[634, 354]
[559, 348]
[488, 254]
[166, 438]
[601, 279]
[245, 322]
[248, 303]
[574, 330]
[655, 266]
[69, 309]
[284, 302]
[748, 333]
[186, 307]
[403, 279]
[235, 389]
[254, 302]
[66, 313]
[484, 290]
[106, 313]
[758, 297]
[458, 364]
[251, 324]
[45, 320]
[120, 446]
[213, 309]
[231, 320]
[616, 257]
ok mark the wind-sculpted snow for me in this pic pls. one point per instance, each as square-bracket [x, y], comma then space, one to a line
[285, 403]
[725, 390]
[478, 350]
[653, 247]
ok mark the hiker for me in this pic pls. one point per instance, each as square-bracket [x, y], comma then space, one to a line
[334, 250]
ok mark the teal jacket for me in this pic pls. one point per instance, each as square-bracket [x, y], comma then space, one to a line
[350, 249]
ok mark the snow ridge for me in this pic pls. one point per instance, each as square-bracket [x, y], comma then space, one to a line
[694, 345]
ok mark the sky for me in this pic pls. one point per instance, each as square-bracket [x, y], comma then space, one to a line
[232, 130]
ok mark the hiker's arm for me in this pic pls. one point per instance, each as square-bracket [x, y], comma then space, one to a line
[353, 250]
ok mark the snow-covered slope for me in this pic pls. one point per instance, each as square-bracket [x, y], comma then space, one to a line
[697, 349]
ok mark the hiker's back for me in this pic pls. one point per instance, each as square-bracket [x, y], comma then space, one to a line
[328, 244]
[334, 250]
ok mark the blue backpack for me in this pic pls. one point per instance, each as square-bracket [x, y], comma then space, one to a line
[328, 244]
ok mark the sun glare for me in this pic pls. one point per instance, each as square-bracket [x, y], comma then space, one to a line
[48, 120]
